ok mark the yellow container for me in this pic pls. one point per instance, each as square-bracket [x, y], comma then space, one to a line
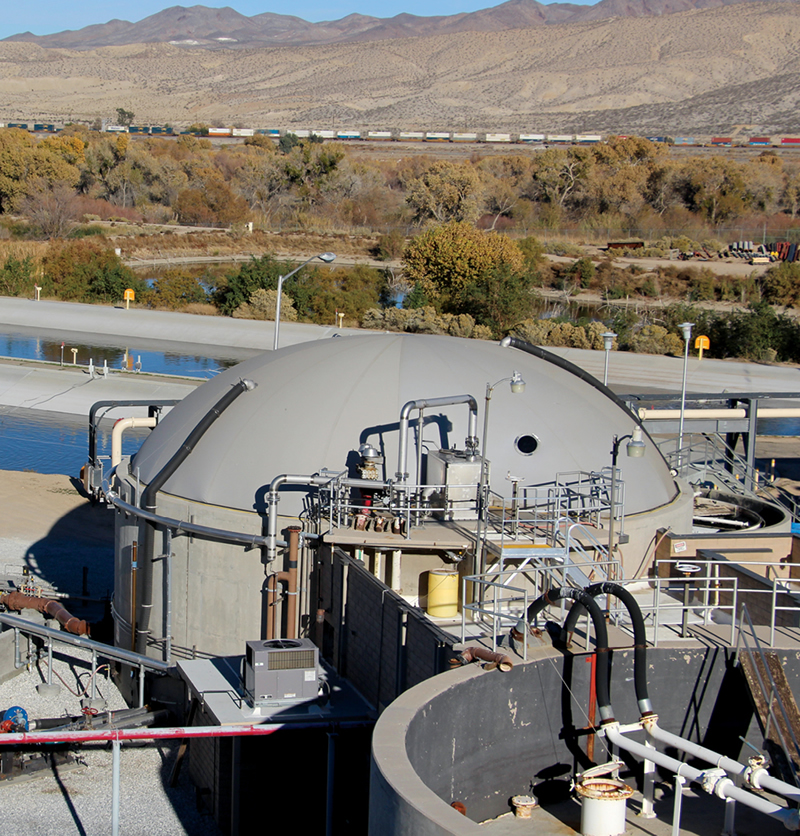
[442, 593]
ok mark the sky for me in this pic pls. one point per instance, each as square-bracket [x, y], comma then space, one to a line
[47, 16]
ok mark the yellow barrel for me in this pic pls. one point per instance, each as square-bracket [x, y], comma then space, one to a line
[442, 593]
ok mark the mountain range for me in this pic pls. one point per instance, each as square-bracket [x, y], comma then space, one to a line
[226, 28]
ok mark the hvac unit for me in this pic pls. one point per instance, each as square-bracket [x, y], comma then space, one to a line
[281, 671]
[456, 475]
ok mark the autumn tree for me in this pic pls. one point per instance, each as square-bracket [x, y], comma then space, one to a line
[445, 192]
[176, 288]
[447, 260]
[51, 207]
[85, 270]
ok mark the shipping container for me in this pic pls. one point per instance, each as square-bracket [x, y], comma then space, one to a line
[300, 134]
[498, 137]
[379, 136]
[790, 140]
[138, 129]
[685, 140]
[348, 134]
[411, 136]
[465, 137]
[243, 132]
[560, 139]
[116, 129]
[759, 140]
[721, 141]
[437, 136]
[220, 132]
[23, 126]
[531, 137]
[588, 139]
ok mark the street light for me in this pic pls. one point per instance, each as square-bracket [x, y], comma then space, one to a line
[608, 343]
[686, 330]
[634, 449]
[517, 387]
[326, 257]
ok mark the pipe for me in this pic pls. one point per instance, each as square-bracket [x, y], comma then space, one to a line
[426, 403]
[289, 577]
[713, 781]
[47, 606]
[149, 502]
[639, 635]
[470, 654]
[672, 414]
[600, 632]
[120, 426]
[756, 776]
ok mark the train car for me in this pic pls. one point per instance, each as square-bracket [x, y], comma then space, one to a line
[721, 141]
[465, 137]
[685, 140]
[166, 130]
[115, 129]
[531, 138]
[23, 126]
[220, 131]
[411, 136]
[437, 136]
[325, 134]
[379, 136]
[559, 139]
[588, 139]
[243, 132]
[759, 140]
[497, 138]
[661, 139]
[138, 129]
[790, 142]
[41, 128]
[348, 134]
[301, 133]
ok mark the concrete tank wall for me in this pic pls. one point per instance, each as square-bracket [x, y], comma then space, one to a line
[481, 737]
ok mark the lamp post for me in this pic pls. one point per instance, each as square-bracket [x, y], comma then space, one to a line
[326, 257]
[635, 449]
[517, 387]
[608, 343]
[686, 330]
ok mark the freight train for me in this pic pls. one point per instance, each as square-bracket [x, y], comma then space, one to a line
[491, 137]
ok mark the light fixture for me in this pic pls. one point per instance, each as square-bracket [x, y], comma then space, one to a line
[608, 344]
[326, 257]
[686, 330]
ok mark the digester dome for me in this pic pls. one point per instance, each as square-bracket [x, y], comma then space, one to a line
[315, 404]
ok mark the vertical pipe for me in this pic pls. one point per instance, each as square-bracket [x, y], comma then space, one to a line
[134, 553]
[420, 430]
[141, 686]
[168, 595]
[648, 791]
[291, 603]
[93, 692]
[49, 662]
[683, 398]
[592, 705]
[115, 746]
[676, 807]
[396, 584]
[729, 828]
[752, 434]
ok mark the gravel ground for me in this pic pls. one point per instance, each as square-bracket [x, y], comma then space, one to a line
[77, 798]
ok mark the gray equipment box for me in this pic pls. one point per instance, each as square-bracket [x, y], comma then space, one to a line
[460, 476]
[281, 671]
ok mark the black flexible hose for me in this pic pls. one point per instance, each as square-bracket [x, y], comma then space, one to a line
[639, 635]
[601, 675]
[148, 503]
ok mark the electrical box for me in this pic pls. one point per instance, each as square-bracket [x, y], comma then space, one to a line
[458, 476]
[281, 671]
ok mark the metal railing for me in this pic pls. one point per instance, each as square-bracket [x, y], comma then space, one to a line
[22, 626]
[748, 643]
[496, 602]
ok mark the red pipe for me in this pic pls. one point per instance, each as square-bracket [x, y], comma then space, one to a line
[47, 606]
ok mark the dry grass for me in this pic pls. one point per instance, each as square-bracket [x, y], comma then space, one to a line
[22, 249]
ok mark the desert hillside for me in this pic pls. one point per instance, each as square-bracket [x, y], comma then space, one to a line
[694, 72]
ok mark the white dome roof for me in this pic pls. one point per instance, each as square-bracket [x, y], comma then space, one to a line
[317, 402]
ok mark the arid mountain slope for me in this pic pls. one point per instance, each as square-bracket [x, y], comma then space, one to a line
[226, 28]
[697, 71]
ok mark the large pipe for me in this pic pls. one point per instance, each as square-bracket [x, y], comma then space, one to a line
[713, 781]
[149, 502]
[432, 403]
[757, 776]
[47, 606]
[501, 660]
[600, 633]
[639, 635]
[290, 578]
[119, 428]
[716, 414]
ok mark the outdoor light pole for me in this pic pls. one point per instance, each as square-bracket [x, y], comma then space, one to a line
[608, 343]
[635, 449]
[326, 257]
[686, 329]
[517, 387]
